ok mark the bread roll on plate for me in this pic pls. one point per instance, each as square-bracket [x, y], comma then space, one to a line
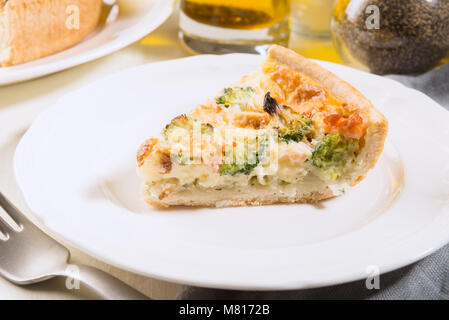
[32, 29]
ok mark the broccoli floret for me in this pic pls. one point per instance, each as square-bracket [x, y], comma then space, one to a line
[181, 121]
[186, 123]
[252, 158]
[296, 131]
[235, 95]
[332, 154]
[295, 126]
[234, 169]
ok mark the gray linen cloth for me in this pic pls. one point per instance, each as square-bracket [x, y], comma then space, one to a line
[425, 279]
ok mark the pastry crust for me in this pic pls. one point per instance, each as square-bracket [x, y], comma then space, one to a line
[247, 196]
[33, 29]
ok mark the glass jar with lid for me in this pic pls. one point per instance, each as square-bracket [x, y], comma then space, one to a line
[392, 36]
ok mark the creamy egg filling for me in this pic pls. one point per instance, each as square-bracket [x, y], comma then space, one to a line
[284, 164]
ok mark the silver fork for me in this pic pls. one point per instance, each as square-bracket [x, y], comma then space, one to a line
[27, 255]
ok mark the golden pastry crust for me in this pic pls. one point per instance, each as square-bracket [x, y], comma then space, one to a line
[249, 196]
[37, 28]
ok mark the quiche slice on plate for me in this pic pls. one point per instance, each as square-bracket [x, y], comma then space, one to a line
[289, 132]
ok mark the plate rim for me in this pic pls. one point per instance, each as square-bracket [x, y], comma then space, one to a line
[217, 284]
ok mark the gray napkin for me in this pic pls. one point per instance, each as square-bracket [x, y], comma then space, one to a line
[426, 279]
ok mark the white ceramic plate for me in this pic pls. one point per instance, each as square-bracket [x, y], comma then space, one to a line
[136, 19]
[76, 168]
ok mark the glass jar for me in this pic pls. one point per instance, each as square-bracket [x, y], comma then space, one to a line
[225, 26]
[392, 36]
[310, 33]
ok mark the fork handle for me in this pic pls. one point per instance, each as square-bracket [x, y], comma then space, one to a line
[105, 285]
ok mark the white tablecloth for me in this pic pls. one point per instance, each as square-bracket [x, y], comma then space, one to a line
[19, 106]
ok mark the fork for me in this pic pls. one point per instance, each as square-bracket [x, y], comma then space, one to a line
[27, 255]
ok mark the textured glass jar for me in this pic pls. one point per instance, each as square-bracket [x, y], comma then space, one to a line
[392, 36]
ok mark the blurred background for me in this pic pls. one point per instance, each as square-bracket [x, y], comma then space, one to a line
[379, 36]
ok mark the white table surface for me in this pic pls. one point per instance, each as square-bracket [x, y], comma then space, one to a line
[19, 106]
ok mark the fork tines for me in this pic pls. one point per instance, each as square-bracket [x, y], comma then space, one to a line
[14, 215]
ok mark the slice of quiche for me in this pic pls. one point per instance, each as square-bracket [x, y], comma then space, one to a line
[290, 132]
